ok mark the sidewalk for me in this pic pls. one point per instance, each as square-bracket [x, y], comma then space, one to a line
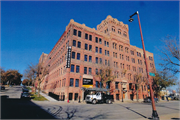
[47, 97]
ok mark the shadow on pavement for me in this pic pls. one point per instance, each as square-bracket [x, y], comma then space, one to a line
[14, 108]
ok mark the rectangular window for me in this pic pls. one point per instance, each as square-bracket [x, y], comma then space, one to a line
[105, 52]
[90, 37]
[75, 32]
[71, 82]
[108, 53]
[85, 57]
[78, 56]
[105, 62]
[73, 55]
[97, 60]
[104, 43]
[90, 58]
[90, 47]
[96, 49]
[100, 50]
[72, 68]
[90, 71]
[86, 36]
[100, 40]
[85, 70]
[77, 83]
[79, 33]
[74, 43]
[116, 84]
[77, 68]
[96, 71]
[96, 39]
[107, 44]
[100, 60]
[86, 46]
[79, 44]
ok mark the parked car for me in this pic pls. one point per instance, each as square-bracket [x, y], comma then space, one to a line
[25, 95]
[25, 90]
[2, 87]
[148, 100]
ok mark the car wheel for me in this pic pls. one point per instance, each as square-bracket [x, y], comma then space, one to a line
[94, 101]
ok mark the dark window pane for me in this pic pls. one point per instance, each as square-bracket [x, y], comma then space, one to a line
[85, 57]
[90, 71]
[90, 37]
[79, 33]
[77, 83]
[79, 44]
[72, 68]
[77, 69]
[75, 32]
[74, 43]
[73, 55]
[96, 71]
[86, 36]
[97, 84]
[90, 58]
[107, 44]
[96, 39]
[97, 60]
[85, 70]
[90, 47]
[100, 40]
[96, 49]
[100, 50]
[86, 46]
[71, 82]
[78, 56]
[104, 43]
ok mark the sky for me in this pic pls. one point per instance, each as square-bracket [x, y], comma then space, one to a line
[29, 28]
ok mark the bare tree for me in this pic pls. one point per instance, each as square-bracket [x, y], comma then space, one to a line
[137, 81]
[170, 54]
[105, 75]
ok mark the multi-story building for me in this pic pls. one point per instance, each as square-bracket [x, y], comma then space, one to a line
[91, 50]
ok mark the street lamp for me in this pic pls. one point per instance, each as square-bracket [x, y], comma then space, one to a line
[154, 112]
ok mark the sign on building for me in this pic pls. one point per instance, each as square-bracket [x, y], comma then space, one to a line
[68, 59]
[87, 83]
[151, 74]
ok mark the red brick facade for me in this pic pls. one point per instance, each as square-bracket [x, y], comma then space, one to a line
[92, 50]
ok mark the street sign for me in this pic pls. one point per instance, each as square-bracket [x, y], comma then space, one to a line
[151, 74]
[68, 59]
[87, 83]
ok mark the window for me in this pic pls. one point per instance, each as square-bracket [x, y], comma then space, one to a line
[79, 33]
[96, 49]
[119, 31]
[77, 68]
[120, 47]
[107, 85]
[74, 43]
[90, 58]
[71, 82]
[75, 32]
[100, 50]
[96, 39]
[105, 52]
[132, 52]
[72, 68]
[90, 37]
[100, 40]
[105, 62]
[133, 60]
[79, 44]
[117, 85]
[100, 60]
[126, 49]
[108, 53]
[107, 44]
[90, 47]
[86, 36]
[86, 46]
[104, 43]
[97, 60]
[77, 83]
[85, 57]
[78, 56]
[73, 55]
[90, 71]
[85, 70]
[96, 71]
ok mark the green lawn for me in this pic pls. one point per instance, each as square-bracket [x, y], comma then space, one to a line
[35, 97]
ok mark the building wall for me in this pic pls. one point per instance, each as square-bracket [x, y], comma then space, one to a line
[110, 31]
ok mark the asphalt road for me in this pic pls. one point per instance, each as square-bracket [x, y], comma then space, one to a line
[15, 108]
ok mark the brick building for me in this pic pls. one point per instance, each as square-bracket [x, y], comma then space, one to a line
[91, 50]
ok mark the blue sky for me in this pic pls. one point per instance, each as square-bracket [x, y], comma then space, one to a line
[30, 28]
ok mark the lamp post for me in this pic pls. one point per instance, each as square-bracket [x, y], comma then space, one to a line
[154, 112]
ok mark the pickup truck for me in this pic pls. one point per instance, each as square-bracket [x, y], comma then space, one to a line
[99, 97]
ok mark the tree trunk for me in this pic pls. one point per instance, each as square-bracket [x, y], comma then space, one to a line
[137, 97]
[38, 89]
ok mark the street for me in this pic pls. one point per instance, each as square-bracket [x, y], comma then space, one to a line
[15, 108]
